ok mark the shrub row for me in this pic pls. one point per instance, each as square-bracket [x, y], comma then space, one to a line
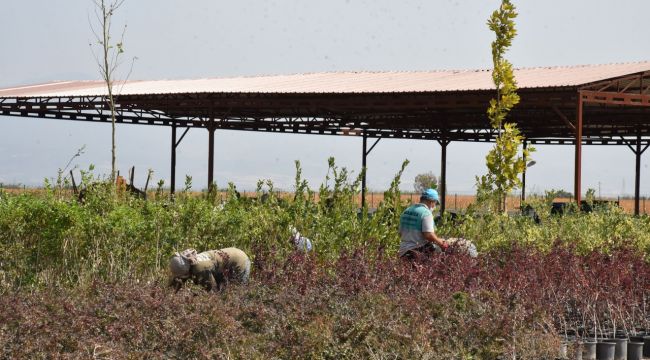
[55, 239]
[502, 305]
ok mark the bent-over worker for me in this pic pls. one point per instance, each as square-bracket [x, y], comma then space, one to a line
[211, 269]
[300, 242]
[417, 229]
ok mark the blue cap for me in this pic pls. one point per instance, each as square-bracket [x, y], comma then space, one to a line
[430, 194]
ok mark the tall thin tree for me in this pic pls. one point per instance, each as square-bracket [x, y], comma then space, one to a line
[108, 60]
[504, 162]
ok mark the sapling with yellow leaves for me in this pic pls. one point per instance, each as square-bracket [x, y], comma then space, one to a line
[505, 162]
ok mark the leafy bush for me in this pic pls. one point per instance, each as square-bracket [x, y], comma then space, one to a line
[53, 239]
[355, 306]
[85, 279]
[603, 230]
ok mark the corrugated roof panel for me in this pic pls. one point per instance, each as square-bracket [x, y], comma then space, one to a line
[342, 82]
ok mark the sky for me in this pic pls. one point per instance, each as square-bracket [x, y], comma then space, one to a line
[52, 40]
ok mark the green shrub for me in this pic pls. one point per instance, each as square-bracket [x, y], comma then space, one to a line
[53, 239]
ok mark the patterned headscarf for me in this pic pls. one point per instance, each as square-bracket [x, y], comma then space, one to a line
[179, 264]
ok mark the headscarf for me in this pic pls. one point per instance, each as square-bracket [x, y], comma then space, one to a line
[179, 264]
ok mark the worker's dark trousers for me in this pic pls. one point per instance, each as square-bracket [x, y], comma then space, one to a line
[421, 252]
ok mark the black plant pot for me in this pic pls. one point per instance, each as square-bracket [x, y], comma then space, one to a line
[636, 338]
[634, 351]
[646, 346]
[621, 348]
[605, 350]
[589, 350]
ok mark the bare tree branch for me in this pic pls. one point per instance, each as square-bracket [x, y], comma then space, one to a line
[109, 60]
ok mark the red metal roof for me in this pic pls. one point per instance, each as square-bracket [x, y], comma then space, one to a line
[343, 82]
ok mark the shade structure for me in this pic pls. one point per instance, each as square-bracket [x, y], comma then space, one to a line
[591, 104]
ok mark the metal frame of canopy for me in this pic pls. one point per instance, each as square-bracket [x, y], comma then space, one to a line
[614, 110]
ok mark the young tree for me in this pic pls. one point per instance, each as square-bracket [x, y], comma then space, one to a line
[504, 161]
[108, 60]
[425, 181]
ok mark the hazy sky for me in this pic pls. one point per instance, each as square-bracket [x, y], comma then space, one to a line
[47, 40]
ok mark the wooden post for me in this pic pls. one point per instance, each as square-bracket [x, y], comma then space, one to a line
[146, 184]
[132, 176]
[74, 184]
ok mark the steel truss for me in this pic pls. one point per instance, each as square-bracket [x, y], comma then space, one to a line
[612, 112]
[630, 91]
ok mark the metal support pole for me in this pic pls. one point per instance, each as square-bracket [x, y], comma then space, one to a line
[578, 160]
[364, 154]
[210, 157]
[523, 175]
[172, 186]
[637, 177]
[443, 175]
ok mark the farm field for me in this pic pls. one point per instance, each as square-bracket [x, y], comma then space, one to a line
[93, 267]
[89, 279]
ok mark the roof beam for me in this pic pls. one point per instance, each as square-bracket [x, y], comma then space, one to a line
[563, 117]
[615, 98]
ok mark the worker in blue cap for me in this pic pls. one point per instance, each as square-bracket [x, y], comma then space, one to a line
[417, 229]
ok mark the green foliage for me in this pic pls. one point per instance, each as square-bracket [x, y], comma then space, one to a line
[502, 24]
[590, 196]
[561, 193]
[425, 181]
[504, 167]
[188, 183]
[603, 230]
[503, 162]
[51, 238]
[386, 216]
